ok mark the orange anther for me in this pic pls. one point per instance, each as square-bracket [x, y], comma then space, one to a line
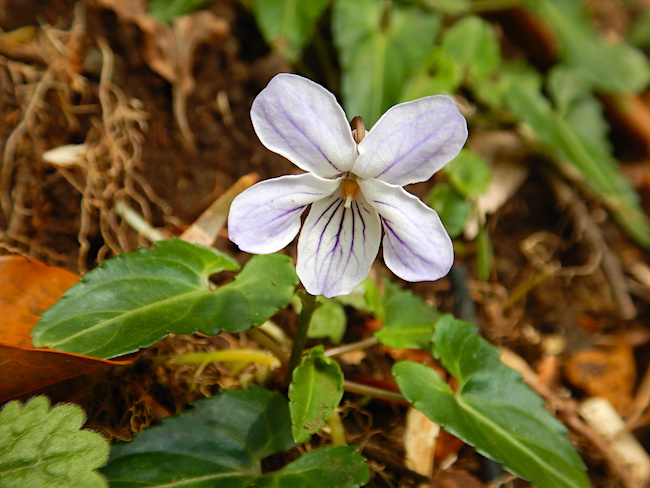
[350, 189]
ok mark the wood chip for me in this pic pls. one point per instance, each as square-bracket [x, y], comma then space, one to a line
[420, 442]
[601, 416]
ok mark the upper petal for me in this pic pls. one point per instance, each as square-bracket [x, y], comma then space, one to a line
[416, 244]
[412, 141]
[337, 246]
[266, 217]
[303, 122]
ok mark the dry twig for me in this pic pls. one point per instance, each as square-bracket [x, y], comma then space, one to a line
[609, 262]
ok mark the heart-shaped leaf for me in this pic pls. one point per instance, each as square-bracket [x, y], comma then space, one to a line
[135, 299]
[474, 45]
[221, 442]
[316, 390]
[493, 409]
[40, 446]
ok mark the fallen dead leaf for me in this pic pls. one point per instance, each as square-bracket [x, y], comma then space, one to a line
[608, 372]
[456, 478]
[27, 289]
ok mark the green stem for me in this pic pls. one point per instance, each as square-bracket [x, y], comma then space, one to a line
[268, 343]
[228, 355]
[352, 346]
[371, 391]
[304, 319]
[336, 429]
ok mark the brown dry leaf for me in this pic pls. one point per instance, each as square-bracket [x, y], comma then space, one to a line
[608, 372]
[27, 289]
[169, 51]
[632, 112]
[447, 445]
[456, 478]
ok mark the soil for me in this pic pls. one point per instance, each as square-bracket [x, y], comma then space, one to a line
[65, 216]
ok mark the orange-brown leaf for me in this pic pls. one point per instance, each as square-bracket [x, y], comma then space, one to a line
[27, 289]
[609, 372]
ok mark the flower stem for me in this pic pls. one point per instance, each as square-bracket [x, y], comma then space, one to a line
[352, 346]
[304, 319]
[371, 391]
[268, 343]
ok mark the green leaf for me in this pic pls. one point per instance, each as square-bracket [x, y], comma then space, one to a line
[469, 173]
[315, 391]
[453, 208]
[357, 298]
[639, 34]
[267, 282]
[135, 299]
[565, 88]
[408, 321]
[484, 253]
[473, 43]
[43, 446]
[607, 66]
[600, 170]
[328, 321]
[493, 409]
[287, 25]
[440, 74]
[378, 53]
[373, 298]
[222, 442]
[327, 467]
[166, 11]
[224, 437]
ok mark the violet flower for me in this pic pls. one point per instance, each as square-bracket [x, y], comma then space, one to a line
[353, 183]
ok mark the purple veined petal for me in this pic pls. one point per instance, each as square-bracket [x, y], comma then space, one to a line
[266, 217]
[337, 245]
[416, 244]
[303, 122]
[412, 141]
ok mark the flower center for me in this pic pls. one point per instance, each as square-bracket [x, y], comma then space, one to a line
[350, 189]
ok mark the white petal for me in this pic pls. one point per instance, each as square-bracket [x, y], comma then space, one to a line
[266, 217]
[416, 244]
[337, 245]
[412, 141]
[303, 122]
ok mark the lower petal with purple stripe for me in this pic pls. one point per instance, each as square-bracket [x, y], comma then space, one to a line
[337, 245]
